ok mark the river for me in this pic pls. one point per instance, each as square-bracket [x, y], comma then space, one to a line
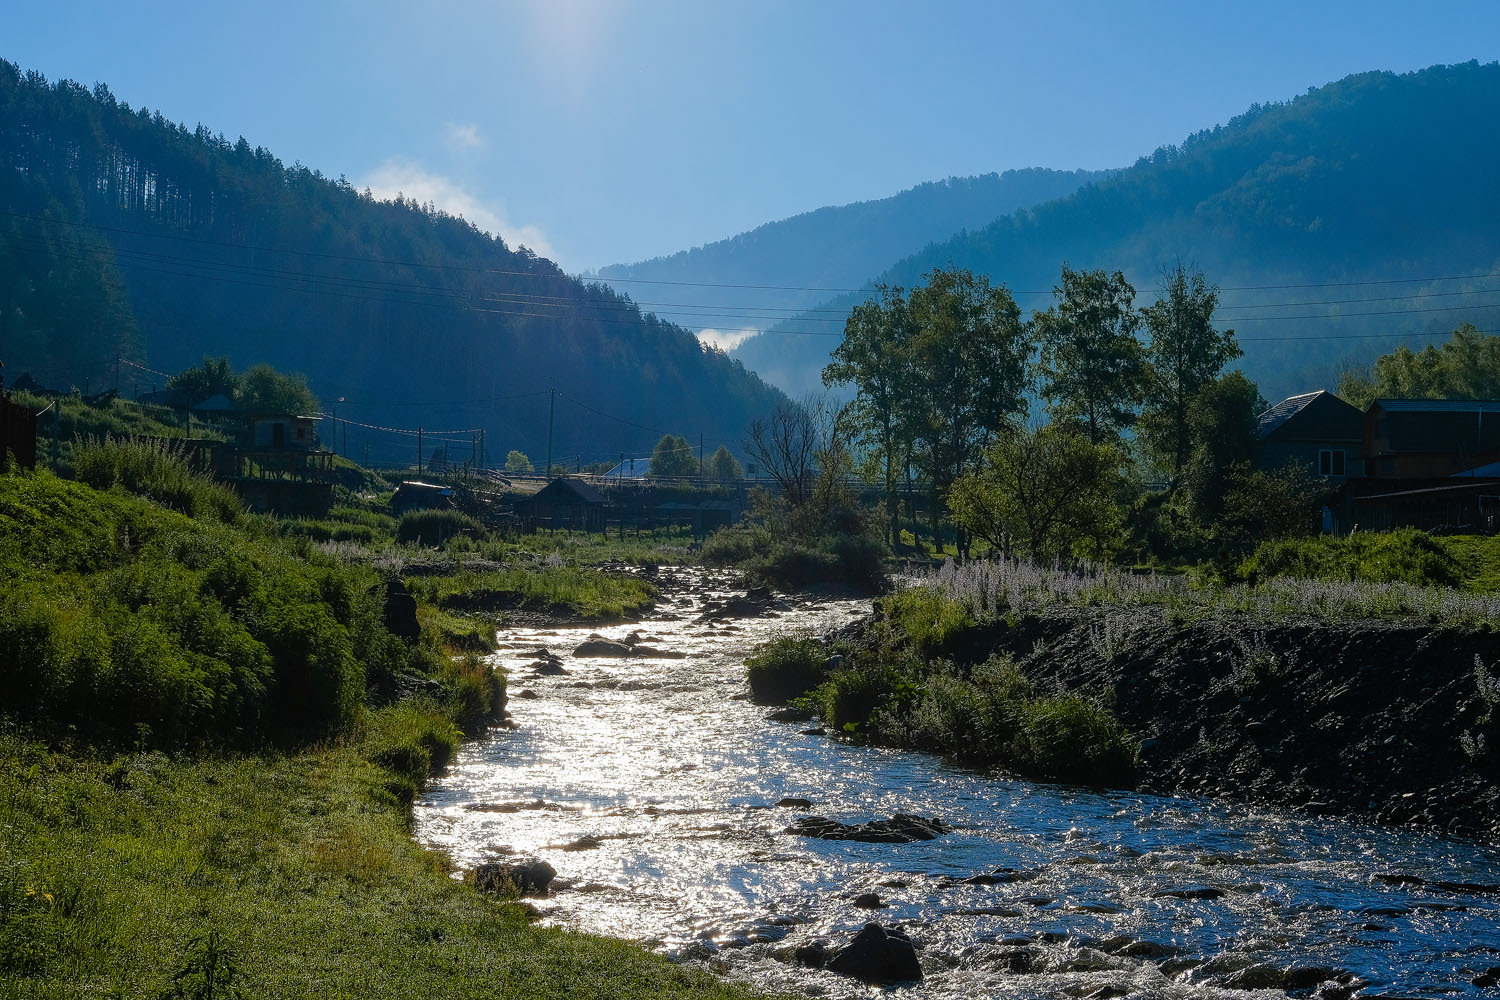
[650, 785]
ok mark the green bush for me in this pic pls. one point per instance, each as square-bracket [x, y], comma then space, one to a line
[1073, 740]
[927, 616]
[1402, 556]
[158, 469]
[434, 527]
[850, 696]
[785, 668]
[838, 544]
[127, 624]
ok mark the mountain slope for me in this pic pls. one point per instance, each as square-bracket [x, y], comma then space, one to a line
[124, 235]
[831, 248]
[1368, 190]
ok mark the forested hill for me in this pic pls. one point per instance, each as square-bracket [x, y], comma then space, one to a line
[123, 234]
[834, 247]
[1336, 224]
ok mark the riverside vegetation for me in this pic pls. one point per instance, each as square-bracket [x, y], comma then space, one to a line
[210, 743]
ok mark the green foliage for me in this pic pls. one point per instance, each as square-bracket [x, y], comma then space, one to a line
[793, 550]
[212, 378]
[785, 668]
[516, 461]
[210, 971]
[1465, 366]
[1405, 555]
[263, 389]
[850, 697]
[723, 466]
[130, 624]
[928, 617]
[991, 716]
[434, 527]
[1048, 493]
[158, 469]
[1093, 367]
[673, 458]
[1184, 355]
[571, 590]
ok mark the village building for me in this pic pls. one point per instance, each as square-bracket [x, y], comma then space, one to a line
[563, 504]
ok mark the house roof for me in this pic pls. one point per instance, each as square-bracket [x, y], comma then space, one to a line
[568, 489]
[1438, 405]
[217, 403]
[1314, 416]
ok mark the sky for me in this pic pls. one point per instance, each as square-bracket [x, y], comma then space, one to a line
[606, 131]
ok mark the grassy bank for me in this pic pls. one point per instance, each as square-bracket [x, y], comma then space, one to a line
[209, 747]
[564, 590]
[894, 686]
[287, 876]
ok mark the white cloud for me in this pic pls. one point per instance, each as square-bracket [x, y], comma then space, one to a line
[726, 340]
[416, 182]
[462, 138]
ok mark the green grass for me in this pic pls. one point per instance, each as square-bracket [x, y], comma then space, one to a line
[664, 546]
[1403, 556]
[574, 590]
[785, 668]
[117, 874]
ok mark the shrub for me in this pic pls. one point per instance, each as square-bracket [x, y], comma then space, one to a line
[785, 668]
[434, 527]
[1403, 556]
[157, 469]
[850, 696]
[1071, 739]
[476, 693]
[928, 616]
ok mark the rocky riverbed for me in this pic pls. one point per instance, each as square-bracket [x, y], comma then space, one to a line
[675, 813]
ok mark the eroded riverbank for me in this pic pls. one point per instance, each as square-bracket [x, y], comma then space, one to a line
[650, 785]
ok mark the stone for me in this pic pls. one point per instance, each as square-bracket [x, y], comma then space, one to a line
[879, 956]
[547, 668]
[790, 803]
[401, 612]
[602, 647]
[902, 828]
[814, 955]
[869, 901]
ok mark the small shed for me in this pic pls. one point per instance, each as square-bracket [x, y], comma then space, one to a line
[281, 431]
[1316, 430]
[566, 504]
[413, 495]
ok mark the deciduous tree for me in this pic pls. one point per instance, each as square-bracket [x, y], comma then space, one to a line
[1093, 367]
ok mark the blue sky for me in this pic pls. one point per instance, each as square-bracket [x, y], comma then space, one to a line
[599, 132]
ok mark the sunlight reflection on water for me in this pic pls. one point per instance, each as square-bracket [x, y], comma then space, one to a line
[675, 775]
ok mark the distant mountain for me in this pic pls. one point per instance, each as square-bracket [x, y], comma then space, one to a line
[124, 236]
[808, 256]
[1360, 215]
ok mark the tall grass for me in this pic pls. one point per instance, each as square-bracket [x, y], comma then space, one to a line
[155, 468]
[993, 589]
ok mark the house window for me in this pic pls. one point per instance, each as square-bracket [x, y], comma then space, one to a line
[1331, 462]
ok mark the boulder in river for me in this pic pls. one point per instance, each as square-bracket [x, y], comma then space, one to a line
[600, 646]
[523, 878]
[902, 828]
[869, 901]
[400, 612]
[878, 955]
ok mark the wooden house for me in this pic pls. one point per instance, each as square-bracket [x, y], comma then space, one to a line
[1429, 438]
[566, 504]
[1316, 430]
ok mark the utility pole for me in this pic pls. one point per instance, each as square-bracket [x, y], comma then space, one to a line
[700, 454]
[117, 374]
[481, 448]
[551, 412]
[419, 451]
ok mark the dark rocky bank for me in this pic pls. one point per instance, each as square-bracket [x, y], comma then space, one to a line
[1326, 717]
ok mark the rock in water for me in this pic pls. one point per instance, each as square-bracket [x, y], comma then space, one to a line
[877, 955]
[602, 647]
[902, 828]
[525, 878]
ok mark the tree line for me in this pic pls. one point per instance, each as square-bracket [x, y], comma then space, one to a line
[1040, 434]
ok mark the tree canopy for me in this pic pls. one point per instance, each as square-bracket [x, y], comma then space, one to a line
[1465, 366]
